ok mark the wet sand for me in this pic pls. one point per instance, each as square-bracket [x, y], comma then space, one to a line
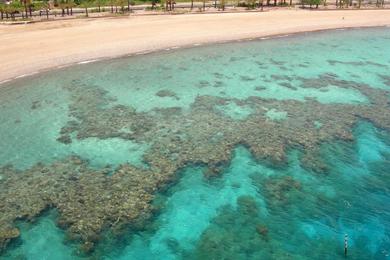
[30, 48]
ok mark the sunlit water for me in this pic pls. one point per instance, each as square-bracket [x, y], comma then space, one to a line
[253, 210]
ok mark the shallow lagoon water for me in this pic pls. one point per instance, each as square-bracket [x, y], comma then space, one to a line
[253, 209]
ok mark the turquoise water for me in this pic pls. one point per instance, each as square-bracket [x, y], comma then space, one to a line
[36, 117]
[264, 149]
[304, 216]
[220, 218]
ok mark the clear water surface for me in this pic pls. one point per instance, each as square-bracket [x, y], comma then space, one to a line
[254, 210]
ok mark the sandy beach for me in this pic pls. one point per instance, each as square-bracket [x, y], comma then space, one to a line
[27, 49]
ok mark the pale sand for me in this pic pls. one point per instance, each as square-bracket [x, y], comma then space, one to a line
[25, 49]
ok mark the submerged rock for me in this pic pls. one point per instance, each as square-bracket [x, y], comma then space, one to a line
[167, 93]
[65, 139]
[263, 231]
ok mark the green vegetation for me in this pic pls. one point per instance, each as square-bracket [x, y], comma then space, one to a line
[27, 9]
[357, 4]
[311, 3]
[10, 10]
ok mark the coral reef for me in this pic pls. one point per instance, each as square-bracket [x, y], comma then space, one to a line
[87, 200]
[90, 201]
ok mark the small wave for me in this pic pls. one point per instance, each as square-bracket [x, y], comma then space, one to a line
[26, 75]
[87, 61]
[142, 53]
[5, 81]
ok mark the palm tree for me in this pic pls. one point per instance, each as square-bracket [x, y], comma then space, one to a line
[128, 6]
[85, 4]
[99, 3]
[71, 4]
[112, 6]
[46, 6]
[154, 2]
[30, 6]
[169, 5]
[6, 11]
[2, 11]
[67, 7]
[25, 3]
[121, 3]
[62, 6]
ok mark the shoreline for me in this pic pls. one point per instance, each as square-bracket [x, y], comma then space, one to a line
[21, 63]
[147, 52]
